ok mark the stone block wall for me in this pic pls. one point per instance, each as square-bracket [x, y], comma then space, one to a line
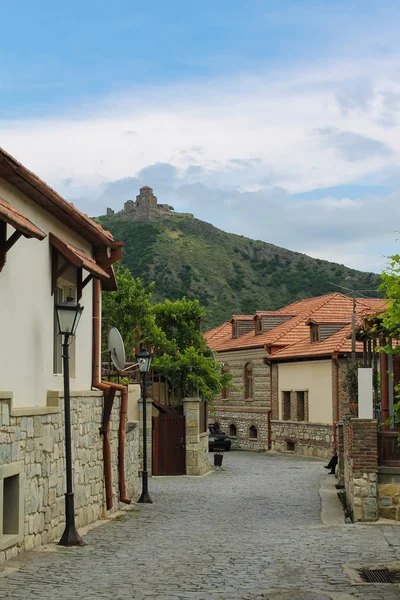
[243, 420]
[389, 492]
[196, 443]
[235, 363]
[340, 453]
[305, 439]
[34, 438]
[149, 434]
[360, 467]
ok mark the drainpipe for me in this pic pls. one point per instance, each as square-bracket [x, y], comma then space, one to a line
[336, 361]
[109, 390]
[269, 413]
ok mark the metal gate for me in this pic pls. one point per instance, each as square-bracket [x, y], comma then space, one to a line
[169, 448]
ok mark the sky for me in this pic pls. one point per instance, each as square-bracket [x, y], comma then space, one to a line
[274, 119]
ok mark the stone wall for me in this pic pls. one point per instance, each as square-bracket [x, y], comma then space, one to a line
[243, 412]
[360, 467]
[234, 363]
[242, 420]
[389, 492]
[34, 439]
[305, 439]
[196, 443]
[149, 434]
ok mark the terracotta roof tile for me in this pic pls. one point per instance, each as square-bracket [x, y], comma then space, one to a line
[14, 217]
[339, 342]
[78, 257]
[36, 189]
[331, 308]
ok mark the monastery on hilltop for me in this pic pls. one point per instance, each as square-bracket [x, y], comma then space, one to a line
[145, 208]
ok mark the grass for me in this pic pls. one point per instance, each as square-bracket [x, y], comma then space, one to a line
[227, 273]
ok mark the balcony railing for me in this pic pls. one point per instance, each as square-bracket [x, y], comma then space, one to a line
[389, 449]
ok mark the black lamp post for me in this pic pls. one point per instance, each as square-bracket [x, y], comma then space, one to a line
[68, 316]
[144, 359]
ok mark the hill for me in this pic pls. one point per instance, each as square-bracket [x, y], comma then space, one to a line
[227, 273]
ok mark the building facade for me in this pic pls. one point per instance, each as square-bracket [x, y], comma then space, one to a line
[50, 251]
[288, 368]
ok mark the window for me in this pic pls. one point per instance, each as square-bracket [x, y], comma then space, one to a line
[258, 326]
[11, 504]
[253, 433]
[314, 333]
[235, 329]
[248, 381]
[286, 406]
[232, 430]
[301, 412]
[290, 446]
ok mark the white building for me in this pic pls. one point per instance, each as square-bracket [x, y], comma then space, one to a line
[48, 251]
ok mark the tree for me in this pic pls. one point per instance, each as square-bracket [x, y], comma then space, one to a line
[389, 321]
[181, 353]
[172, 329]
[128, 309]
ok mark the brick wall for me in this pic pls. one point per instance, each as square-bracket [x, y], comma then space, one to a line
[359, 456]
[275, 391]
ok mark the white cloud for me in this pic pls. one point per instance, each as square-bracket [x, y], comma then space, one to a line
[219, 147]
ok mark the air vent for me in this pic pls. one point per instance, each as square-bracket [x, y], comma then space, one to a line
[379, 576]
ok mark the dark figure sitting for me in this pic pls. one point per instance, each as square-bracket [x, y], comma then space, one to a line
[332, 464]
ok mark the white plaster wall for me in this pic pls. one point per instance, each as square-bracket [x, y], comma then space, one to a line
[26, 311]
[314, 377]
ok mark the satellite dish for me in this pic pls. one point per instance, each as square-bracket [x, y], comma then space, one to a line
[116, 348]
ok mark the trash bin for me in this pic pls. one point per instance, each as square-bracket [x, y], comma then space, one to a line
[218, 460]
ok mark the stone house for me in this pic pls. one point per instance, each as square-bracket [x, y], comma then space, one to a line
[49, 250]
[288, 374]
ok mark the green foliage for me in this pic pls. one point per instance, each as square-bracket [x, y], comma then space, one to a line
[389, 321]
[127, 308]
[350, 379]
[227, 273]
[171, 328]
[181, 354]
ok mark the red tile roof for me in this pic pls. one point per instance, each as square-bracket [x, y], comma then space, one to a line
[30, 184]
[78, 257]
[339, 342]
[331, 308]
[14, 217]
[217, 334]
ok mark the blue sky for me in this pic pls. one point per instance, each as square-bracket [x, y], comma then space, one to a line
[290, 108]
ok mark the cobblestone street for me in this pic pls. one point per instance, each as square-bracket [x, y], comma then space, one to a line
[250, 531]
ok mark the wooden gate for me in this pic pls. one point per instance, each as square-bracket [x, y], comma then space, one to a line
[169, 448]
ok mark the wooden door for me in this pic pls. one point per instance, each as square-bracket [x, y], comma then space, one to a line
[169, 448]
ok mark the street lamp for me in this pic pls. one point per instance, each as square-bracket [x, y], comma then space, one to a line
[68, 317]
[144, 359]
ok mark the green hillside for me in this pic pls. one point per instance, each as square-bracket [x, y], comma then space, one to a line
[227, 273]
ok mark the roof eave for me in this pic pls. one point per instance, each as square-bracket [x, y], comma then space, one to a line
[31, 185]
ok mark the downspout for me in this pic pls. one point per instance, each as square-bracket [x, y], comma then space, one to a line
[269, 412]
[335, 422]
[109, 390]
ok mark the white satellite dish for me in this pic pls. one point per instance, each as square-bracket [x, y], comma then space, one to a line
[116, 349]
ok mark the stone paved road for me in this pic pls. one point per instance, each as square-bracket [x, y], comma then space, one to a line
[249, 532]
